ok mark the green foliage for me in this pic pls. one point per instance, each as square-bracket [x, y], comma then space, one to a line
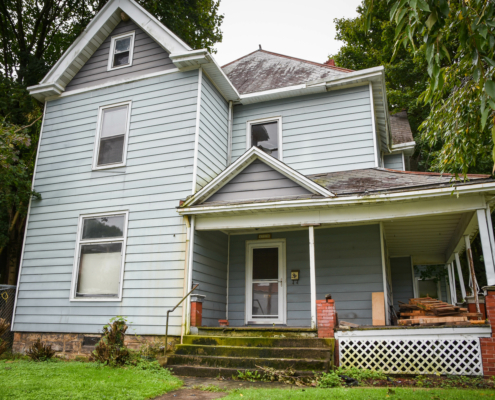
[247, 376]
[82, 381]
[4, 327]
[111, 350]
[361, 374]
[434, 272]
[330, 380]
[40, 351]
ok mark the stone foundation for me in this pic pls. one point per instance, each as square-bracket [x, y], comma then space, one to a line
[79, 346]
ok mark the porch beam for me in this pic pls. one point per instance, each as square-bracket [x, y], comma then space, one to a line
[312, 275]
[461, 278]
[486, 246]
[364, 212]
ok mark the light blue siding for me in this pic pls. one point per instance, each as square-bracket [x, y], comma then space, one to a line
[158, 174]
[393, 161]
[402, 281]
[258, 181]
[213, 133]
[210, 271]
[321, 133]
[348, 266]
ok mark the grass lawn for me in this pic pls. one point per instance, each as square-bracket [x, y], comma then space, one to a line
[77, 380]
[360, 394]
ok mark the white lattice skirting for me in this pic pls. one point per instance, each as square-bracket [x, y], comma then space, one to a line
[461, 356]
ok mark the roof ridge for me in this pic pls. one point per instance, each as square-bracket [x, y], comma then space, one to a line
[292, 58]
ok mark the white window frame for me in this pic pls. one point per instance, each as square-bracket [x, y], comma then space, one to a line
[259, 244]
[98, 134]
[262, 121]
[132, 35]
[80, 241]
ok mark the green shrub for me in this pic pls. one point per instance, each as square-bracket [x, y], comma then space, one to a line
[329, 380]
[111, 350]
[361, 374]
[40, 351]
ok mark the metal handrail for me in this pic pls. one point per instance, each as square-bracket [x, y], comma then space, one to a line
[172, 310]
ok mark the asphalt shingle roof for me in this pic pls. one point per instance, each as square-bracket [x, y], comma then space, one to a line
[400, 128]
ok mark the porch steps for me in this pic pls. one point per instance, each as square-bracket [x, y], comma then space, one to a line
[226, 353]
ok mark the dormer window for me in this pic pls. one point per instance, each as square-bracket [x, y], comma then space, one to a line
[266, 134]
[121, 51]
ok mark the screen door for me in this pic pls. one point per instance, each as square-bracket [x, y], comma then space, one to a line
[266, 283]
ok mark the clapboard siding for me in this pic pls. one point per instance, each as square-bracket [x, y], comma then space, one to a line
[258, 181]
[148, 57]
[210, 271]
[323, 132]
[402, 281]
[348, 266]
[393, 161]
[213, 134]
[158, 174]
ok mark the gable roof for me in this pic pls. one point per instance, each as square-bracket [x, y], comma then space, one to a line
[400, 128]
[241, 163]
[264, 70]
[93, 36]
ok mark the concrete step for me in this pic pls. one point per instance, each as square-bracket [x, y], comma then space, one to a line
[258, 341]
[257, 331]
[255, 352]
[247, 362]
[213, 372]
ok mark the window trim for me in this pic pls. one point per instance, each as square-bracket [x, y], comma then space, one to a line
[98, 134]
[261, 121]
[79, 242]
[111, 53]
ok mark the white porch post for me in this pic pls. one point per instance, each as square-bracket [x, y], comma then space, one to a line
[312, 275]
[189, 274]
[461, 278]
[453, 296]
[486, 246]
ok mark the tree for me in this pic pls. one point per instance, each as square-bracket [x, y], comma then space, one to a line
[33, 36]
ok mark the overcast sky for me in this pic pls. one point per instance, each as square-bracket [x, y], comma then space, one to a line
[298, 28]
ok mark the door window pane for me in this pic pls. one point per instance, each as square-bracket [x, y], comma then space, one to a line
[99, 269]
[265, 137]
[265, 263]
[103, 227]
[265, 299]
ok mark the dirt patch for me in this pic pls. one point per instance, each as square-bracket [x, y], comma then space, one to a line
[191, 394]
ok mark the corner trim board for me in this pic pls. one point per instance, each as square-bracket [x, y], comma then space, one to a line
[196, 134]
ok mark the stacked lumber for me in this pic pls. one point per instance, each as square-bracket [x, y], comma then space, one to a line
[427, 311]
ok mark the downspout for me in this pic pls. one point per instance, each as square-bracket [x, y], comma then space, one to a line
[229, 134]
[228, 279]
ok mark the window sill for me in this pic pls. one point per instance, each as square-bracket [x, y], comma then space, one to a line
[116, 68]
[96, 299]
[108, 167]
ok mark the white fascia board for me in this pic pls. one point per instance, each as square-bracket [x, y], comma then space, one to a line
[247, 158]
[41, 92]
[339, 201]
[163, 36]
[407, 148]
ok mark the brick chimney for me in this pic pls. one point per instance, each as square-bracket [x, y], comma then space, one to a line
[330, 62]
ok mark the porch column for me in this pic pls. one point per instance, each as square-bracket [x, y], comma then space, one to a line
[312, 275]
[189, 273]
[453, 296]
[486, 246]
[461, 278]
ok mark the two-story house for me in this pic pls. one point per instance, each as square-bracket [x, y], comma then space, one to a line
[270, 182]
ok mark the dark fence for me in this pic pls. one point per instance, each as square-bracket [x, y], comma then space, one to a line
[7, 298]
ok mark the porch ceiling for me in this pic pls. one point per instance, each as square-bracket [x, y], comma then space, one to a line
[429, 240]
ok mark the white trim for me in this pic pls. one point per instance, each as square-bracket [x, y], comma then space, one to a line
[228, 278]
[403, 162]
[384, 273]
[196, 133]
[278, 120]
[189, 273]
[312, 276]
[280, 244]
[96, 148]
[408, 146]
[27, 218]
[80, 241]
[229, 133]
[111, 54]
[490, 230]
[486, 247]
[375, 139]
[417, 333]
[461, 278]
[415, 289]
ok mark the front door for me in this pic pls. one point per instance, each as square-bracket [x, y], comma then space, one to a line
[265, 282]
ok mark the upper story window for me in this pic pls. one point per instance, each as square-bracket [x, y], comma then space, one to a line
[98, 269]
[111, 136]
[121, 51]
[266, 134]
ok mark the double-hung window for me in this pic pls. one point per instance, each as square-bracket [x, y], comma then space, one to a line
[121, 51]
[266, 134]
[100, 254]
[111, 136]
